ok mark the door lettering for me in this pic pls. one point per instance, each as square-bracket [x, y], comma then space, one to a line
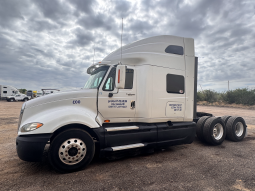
[117, 103]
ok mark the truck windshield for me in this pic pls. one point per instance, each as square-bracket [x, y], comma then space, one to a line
[96, 77]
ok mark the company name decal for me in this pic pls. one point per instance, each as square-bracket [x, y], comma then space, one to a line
[76, 101]
[176, 107]
[117, 103]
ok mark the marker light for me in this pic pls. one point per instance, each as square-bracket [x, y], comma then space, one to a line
[107, 121]
[119, 76]
[30, 127]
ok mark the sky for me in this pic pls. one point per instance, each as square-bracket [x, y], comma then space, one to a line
[50, 43]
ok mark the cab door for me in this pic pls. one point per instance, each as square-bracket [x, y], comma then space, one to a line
[18, 97]
[122, 102]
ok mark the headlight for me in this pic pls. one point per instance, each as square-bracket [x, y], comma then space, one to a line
[30, 127]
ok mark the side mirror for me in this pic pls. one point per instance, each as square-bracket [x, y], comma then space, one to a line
[120, 76]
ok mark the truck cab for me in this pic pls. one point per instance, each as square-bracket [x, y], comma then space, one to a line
[140, 98]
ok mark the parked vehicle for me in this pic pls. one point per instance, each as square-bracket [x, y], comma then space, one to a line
[30, 94]
[49, 91]
[7, 91]
[39, 93]
[18, 97]
[144, 102]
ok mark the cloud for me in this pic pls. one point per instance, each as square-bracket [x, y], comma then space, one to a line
[51, 43]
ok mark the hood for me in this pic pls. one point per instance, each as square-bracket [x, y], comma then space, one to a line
[74, 94]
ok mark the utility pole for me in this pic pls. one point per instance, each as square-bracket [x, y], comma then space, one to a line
[201, 87]
[228, 85]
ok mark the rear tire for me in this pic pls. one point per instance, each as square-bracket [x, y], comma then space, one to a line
[71, 150]
[236, 129]
[12, 100]
[200, 127]
[225, 119]
[214, 131]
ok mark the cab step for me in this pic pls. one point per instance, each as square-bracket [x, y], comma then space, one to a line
[124, 147]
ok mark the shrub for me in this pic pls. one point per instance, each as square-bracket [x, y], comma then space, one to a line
[200, 96]
[210, 96]
[240, 96]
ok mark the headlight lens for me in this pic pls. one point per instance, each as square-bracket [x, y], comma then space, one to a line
[30, 127]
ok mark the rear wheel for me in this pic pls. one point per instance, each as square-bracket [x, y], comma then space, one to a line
[12, 100]
[71, 150]
[236, 129]
[200, 127]
[214, 131]
[225, 119]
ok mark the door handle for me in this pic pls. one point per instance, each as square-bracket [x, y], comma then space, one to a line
[132, 105]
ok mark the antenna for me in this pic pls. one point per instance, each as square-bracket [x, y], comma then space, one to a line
[121, 41]
[94, 54]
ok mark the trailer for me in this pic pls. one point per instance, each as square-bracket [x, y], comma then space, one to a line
[6, 91]
[139, 98]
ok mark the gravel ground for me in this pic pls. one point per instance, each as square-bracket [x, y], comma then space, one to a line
[229, 166]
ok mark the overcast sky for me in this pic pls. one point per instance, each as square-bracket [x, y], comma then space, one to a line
[49, 43]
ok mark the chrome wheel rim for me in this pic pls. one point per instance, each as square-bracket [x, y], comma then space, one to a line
[218, 131]
[72, 151]
[239, 129]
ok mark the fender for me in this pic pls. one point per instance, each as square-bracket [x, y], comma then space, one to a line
[58, 114]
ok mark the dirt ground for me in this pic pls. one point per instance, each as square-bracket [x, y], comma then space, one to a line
[197, 166]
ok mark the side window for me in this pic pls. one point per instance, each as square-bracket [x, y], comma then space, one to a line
[129, 78]
[175, 84]
[5, 92]
[110, 81]
[173, 49]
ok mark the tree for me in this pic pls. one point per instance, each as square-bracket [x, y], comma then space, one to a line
[23, 91]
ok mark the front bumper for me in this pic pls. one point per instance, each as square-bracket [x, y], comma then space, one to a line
[30, 147]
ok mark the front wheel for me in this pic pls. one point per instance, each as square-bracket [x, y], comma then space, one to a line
[25, 99]
[71, 150]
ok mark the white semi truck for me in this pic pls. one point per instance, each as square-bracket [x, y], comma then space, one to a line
[6, 91]
[147, 101]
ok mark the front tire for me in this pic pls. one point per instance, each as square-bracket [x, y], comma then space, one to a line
[71, 150]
